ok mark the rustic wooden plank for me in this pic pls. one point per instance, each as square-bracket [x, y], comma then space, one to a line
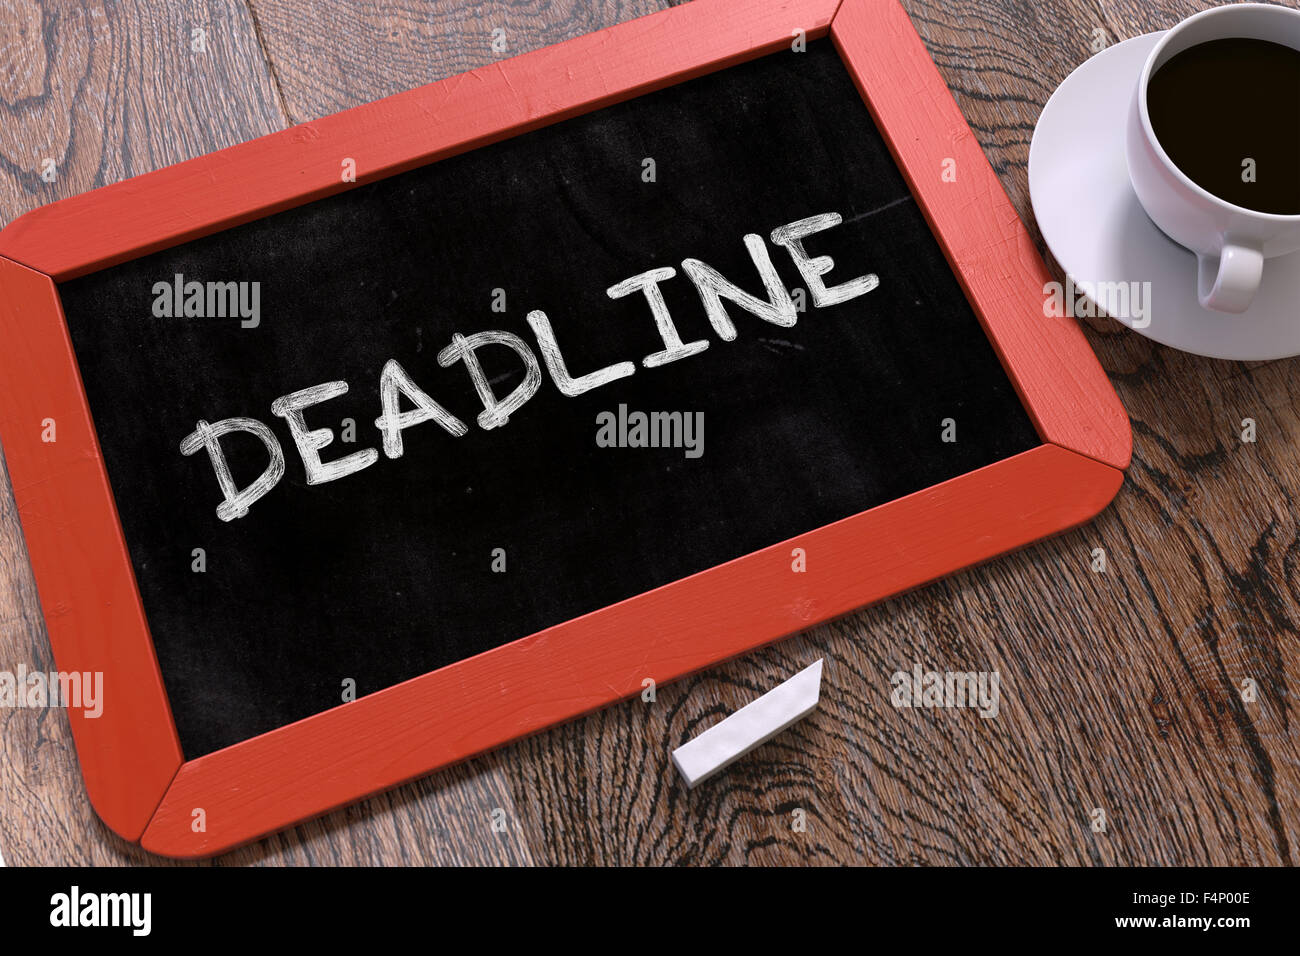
[90, 95]
[1201, 593]
[1121, 689]
[108, 91]
[123, 93]
[328, 57]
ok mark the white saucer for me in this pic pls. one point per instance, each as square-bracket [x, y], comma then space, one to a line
[1097, 230]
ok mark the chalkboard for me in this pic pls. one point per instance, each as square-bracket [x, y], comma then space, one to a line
[468, 542]
[355, 450]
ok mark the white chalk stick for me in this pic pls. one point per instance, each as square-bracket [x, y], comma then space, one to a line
[752, 725]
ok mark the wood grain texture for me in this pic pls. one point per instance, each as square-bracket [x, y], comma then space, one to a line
[1120, 690]
[328, 57]
[110, 93]
[130, 756]
[103, 92]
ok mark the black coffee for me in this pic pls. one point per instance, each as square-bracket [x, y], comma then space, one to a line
[1219, 105]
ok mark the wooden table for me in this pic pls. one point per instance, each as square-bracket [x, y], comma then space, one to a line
[1122, 691]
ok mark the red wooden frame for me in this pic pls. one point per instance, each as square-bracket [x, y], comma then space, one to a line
[130, 756]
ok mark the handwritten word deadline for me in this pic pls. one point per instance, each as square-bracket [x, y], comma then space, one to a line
[394, 382]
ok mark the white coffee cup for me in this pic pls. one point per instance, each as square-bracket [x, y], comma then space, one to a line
[1230, 241]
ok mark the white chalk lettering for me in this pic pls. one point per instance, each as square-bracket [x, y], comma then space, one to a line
[394, 382]
[309, 442]
[713, 288]
[208, 436]
[791, 236]
[648, 283]
[496, 411]
[568, 385]
[624, 429]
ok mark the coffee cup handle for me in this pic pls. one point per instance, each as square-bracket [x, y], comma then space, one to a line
[1228, 282]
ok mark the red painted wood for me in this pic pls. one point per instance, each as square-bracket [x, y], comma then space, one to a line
[380, 740]
[129, 753]
[213, 192]
[83, 571]
[1059, 378]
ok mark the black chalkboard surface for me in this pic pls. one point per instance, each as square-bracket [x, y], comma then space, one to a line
[388, 573]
